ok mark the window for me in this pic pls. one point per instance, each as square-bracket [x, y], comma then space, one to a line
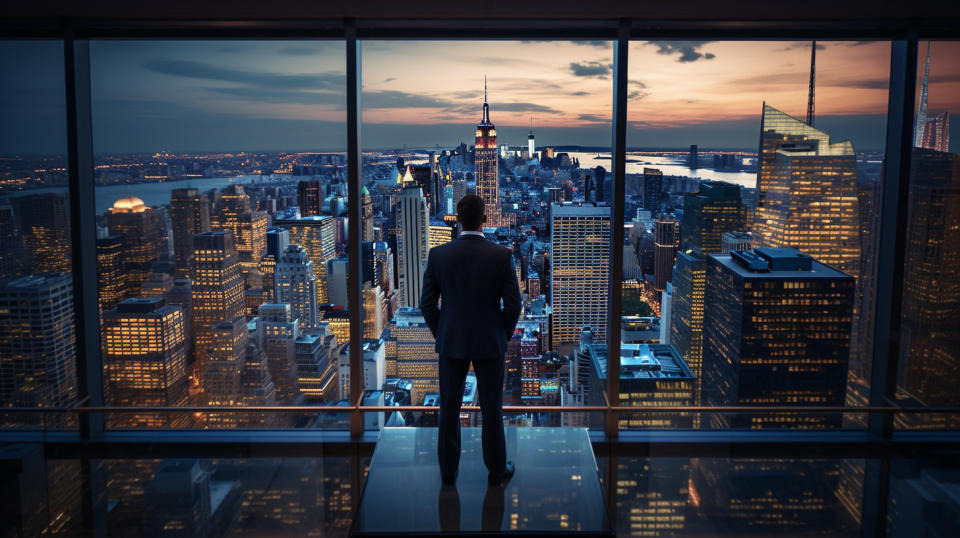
[221, 202]
[38, 357]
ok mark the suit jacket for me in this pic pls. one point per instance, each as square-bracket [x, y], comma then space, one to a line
[470, 275]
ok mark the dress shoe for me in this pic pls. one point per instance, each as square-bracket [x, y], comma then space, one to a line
[503, 477]
[449, 480]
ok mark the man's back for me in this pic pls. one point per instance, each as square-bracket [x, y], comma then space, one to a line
[463, 285]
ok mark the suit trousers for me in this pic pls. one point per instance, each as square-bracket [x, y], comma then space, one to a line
[453, 374]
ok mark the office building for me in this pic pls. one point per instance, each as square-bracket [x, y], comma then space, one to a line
[416, 358]
[440, 233]
[316, 369]
[310, 197]
[37, 342]
[316, 235]
[366, 215]
[579, 270]
[653, 195]
[716, 209]
[236, 375]
[686, 312]
[140, 228]
[776, 330]
[337, 281]
[735, 241]
[413, 245]
[693, 160]
[665, 235]
[144, 362]
[111, 279]
[249, 227]
[189, 216]
[217, 290]
[280, 330]
[296, 285]
[486, 165]
[45, 231]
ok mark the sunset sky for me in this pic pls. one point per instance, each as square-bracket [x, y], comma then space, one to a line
[289, 95]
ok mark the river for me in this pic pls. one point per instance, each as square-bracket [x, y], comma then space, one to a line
[669, 165]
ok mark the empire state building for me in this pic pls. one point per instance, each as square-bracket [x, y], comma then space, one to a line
[485, 164]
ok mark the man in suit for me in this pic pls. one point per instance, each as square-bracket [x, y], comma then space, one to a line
[471, 276]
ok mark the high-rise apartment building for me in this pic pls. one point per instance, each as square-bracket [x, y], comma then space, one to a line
[665, 235]
[579, 270]
[37, 341]
[807, 192]
[777, 328]
[144, 362]
[280, 330]
[317, 236]
[310, 197]
[140, 228]
[413, 246]
[296, 285]
[217, 290]
[189, 216]
[486, 165]
[716, 209]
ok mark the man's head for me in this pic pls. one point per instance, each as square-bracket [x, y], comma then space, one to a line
[470, 212]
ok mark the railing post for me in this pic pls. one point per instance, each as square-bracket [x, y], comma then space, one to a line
[619, 160]
[354, 183]
[83, 228]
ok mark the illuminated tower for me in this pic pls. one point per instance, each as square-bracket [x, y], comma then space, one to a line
[776, 331]
[807, 192]
[366, 215]
[249, 227]
[413, 243]
[11, 243]
[922, 110]
[37, 341]
[579, 270]
[222, 375]
[310, 197]
[686, 312]
[486, 164]
[416, 358]
[296, 285]
[440, 233]
[316, 370]
[280, 331]
[45, 228]
[144, 361]
[317, 236]
[139, 226]
[936, 134]
[664, 250]
[217, 289]
[531, 141]
[813, 79]
[111, 281]
[189, 216]
[717, 208]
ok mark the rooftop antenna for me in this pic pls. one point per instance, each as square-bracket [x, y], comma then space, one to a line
[813, 74]
[922, 113]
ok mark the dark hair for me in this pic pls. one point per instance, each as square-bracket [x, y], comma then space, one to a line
[470, 212]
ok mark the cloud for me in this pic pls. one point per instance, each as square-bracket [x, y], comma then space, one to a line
[580, 93]
[299, 51]
[590, 69]
[594, 118]
[388, 79]
[198, 70]
[637, 90]
[688, 51]
[796, 46]
[269, 95]
[398, 99]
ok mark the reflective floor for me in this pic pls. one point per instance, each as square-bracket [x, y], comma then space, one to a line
[652, 496]
[556, 488]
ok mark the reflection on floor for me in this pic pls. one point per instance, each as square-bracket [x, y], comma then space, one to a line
[556, 488]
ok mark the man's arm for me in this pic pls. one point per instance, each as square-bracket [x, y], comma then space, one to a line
[511, 300]
[430, 297]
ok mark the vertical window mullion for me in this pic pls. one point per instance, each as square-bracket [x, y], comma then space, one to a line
[354, 183]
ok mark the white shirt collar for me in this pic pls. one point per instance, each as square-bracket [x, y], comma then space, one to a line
[472, 232]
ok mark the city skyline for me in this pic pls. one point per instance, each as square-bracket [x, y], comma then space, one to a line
[182, 96]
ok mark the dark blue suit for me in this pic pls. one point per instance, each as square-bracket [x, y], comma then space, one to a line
[471, 276]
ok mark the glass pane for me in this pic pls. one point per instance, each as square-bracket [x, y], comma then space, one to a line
[749, 268]
[531, 138]
[929, 367]
[38, 362]
[221, 207]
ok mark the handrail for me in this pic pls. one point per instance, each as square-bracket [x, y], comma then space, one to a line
[474, 408]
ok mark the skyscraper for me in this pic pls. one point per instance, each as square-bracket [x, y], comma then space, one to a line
[652, 189]
[280, 331]
[413, 247]
[716, 209]
[296, 285]
[777, 328]
[366, 215]
[111, 280]
[144, 362]
[217, 290]
[440, 233]
[236, 375]
[317, 236]
[936, 133]
[189, 216]
[249, 227]
[310, 197]
[486, 164]
[665, 232]
[45, 228]
[929, 366]
[807, 192]
[37, 341]
[316, 369]
[686, 312]
[139, 226]
[579, 270]
[416, 358]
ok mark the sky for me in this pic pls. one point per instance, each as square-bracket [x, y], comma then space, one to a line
[198, 96]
